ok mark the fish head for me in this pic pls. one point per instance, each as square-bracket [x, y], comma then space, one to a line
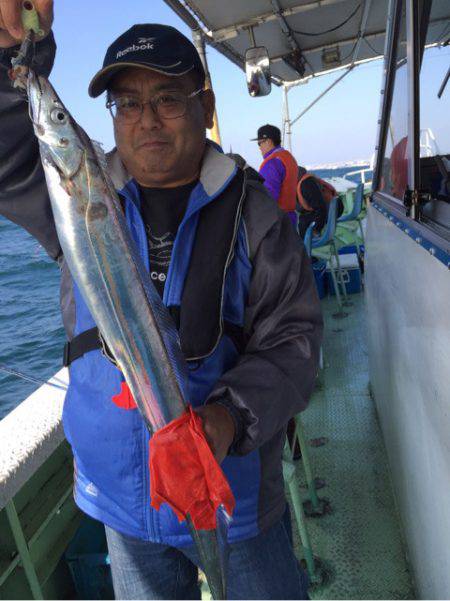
[56, 130]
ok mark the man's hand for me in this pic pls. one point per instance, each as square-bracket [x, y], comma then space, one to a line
[219, 429]
[11, 30]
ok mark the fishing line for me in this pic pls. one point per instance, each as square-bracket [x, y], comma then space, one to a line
[19, 374]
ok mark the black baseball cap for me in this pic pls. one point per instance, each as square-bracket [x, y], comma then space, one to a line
[268, 132]
[152, 46]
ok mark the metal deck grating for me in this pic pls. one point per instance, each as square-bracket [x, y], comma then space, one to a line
[360, 541]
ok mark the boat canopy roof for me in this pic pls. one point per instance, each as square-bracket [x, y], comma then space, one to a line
[304, 38]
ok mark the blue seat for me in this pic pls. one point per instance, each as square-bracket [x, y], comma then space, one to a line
[357, 205]
[348, 225]
[307, 240]
[327, 235]
[324, 247]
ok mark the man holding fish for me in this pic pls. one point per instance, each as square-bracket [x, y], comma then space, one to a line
[239, 287]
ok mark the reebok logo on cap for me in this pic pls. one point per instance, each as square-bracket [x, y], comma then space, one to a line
[135, 48]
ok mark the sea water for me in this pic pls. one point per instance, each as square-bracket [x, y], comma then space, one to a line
[31, 333]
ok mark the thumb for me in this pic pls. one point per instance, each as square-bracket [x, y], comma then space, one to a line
[10, 19]
[44, 9]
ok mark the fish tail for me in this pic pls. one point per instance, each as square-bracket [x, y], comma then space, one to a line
[213, 549]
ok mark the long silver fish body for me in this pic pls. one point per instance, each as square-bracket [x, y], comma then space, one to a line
[105, 264]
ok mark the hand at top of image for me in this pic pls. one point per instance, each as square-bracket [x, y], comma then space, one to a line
[11, 29]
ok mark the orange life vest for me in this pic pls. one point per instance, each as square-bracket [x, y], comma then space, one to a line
[327, 190]
[287, 198]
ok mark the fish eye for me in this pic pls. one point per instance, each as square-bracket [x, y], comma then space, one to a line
[58, 116]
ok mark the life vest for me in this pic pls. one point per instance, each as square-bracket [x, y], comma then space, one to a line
[207, 300]
[327, 190]
[287, 198]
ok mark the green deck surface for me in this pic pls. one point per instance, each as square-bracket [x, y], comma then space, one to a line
[360, 542]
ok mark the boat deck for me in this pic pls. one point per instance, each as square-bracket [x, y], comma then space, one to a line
[359, 542]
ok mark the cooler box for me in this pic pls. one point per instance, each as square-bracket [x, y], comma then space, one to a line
[350, 273]
[350, 250]
[88, 561]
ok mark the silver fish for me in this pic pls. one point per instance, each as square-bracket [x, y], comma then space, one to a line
[115, 285]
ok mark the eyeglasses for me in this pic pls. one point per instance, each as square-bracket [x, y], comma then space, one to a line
[167, 105]
[260, 142]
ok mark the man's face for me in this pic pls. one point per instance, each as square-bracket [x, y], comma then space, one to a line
[157, 152]
[265, 145]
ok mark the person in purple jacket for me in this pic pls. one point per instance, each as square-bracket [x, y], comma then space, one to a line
[279, 170]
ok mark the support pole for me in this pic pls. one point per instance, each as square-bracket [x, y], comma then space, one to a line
[287, 134]
[321, 95]
[199, 43]
[444, 83]
[291, 481]
[362, 30]
[413, 71]
[306, 462]
[23, 550]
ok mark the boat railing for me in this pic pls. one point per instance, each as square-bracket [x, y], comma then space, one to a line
[361, 173]
[30, 434]
[38, 515]
[428, 144]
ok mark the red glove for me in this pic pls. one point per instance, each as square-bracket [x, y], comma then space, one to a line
[185, 475]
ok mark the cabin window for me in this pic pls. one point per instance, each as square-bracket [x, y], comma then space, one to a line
[394, 170]
[434, 118]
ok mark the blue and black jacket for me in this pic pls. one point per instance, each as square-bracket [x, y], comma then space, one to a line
[241, 290]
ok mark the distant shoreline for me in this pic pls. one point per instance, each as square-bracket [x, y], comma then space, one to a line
[344, 165]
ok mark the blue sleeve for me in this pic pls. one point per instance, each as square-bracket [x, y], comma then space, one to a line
[273, 173]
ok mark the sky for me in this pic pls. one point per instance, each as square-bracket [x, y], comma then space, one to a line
[341, 127]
